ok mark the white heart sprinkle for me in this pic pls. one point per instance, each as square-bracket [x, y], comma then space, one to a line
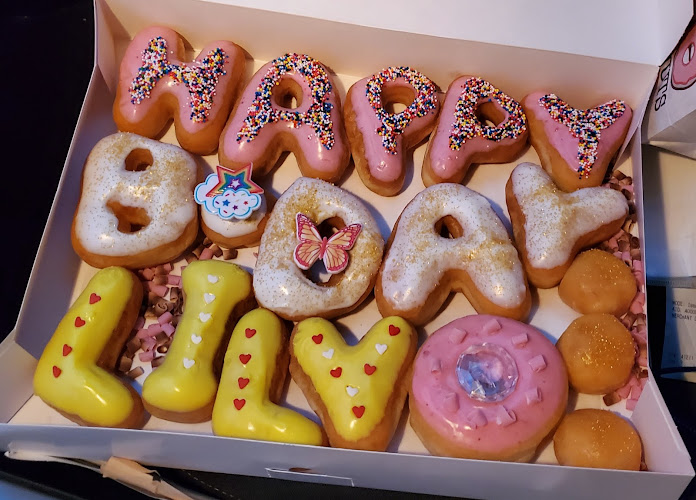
[208, 297]
[352, 391]
[381, 348]
[328, 354]
[196, 339]
[213, 279]
[204, 317]
[188, 363]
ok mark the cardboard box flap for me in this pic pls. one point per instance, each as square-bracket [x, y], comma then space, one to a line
[626, 30]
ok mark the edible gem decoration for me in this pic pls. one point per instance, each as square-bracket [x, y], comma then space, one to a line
[487, 372]
[475, 92]
[586, 125]
[66, 350]
[244, 358]
[249, 332]
[336, 372]
[394, 124]
[230, 194]
[358, 411]
[57, 371]
[369, 369]
[200, 78]
[94, 298]
[239, 403]
[79, 322]
[317, 116]
[242, 382]
[333, 250]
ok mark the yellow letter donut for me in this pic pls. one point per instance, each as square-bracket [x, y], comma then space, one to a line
[183, 388]
[72, 375]
[358, 392]
[252, 382]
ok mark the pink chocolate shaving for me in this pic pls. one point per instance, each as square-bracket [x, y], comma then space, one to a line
[538, 363]
[503, 417]
[146, 356]
[533, 396]
[457, 336]
[173, 279]
[165, 318]
[169, 329]
[451, 402]
[476, 418]
[493, 326]
[206, 254]
[520, 340]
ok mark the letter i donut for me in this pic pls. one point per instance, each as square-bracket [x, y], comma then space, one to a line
[183, 387]
[75, 372]
[251, 385]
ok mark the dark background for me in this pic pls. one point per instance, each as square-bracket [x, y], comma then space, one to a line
[47, 61]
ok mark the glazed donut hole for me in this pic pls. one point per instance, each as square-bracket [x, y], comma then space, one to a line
[138, 160]
[489, 114]
[130, 219]
[396, 97]
[449, 228]
[287, 93]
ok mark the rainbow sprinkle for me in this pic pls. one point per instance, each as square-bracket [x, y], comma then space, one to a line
[394, 124]
[475, 92]
[200, 78]
[584, 125]
[318, 116]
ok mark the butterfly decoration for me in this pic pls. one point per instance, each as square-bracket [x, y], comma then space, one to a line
[333, 250]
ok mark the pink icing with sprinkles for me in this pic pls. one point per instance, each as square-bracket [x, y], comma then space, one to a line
[466, 125]
[318, 116]
[394, 124]
[584, 124]
[200, 78]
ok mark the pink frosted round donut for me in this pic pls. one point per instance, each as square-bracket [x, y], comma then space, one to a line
[487, 388]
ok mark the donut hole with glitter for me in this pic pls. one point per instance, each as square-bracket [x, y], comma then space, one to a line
[130, 219]
[449, 228]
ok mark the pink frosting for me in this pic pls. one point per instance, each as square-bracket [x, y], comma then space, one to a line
[488, 427]
[384, 166]
[684, 63]
[133, 60]
[445, 162]
[562, 140]
[317, 155]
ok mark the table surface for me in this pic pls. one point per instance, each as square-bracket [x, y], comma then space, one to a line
[60, 36]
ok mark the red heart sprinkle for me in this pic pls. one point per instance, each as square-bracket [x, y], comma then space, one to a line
[94, 298]
[79, 322]
[239, 403]
[394, 330]
[242, 382]
[336, 372]
[317, 338]
[66, 349]
[369, 369]
[244, 358]
[359, 411]
[249, 332]
[57, 371]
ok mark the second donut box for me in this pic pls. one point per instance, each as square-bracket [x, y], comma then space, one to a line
[368, 38]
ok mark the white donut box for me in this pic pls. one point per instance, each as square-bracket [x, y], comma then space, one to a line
[587, 52]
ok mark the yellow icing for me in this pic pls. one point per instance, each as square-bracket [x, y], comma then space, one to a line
[82, 388]
[185, 381]
[373, 391]
[258, 417]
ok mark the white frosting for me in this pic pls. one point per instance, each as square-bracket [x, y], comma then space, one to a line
[419, 257]
[555, 220]
[233, 228]
[164, 190]
[280, 285]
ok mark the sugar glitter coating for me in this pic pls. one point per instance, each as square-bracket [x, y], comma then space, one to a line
[318, 116]
[394, 124]
[200, 78]
[466, 125]
[585, 125]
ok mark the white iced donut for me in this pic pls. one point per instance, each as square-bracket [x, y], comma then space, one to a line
[280, 283]
[422, 267]
[136, 206]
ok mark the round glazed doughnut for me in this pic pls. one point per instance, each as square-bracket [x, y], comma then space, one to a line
[279, 282]
[599, 353]
[598, 282]
[378, 137]
[487, 388]
[551, 226]
[155, 85]
[75, 374]
[460, 137]
[421, 267]
[136, 205]
[575, 146]
[599, 439]
[263, 125]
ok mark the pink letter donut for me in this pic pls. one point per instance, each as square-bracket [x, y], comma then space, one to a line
[487, 388]
[684, 62]
[379, 137]
[460, 138]
[155, 85]
[263, 125]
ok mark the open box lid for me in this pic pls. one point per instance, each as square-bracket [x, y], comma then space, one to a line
[639, 31]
